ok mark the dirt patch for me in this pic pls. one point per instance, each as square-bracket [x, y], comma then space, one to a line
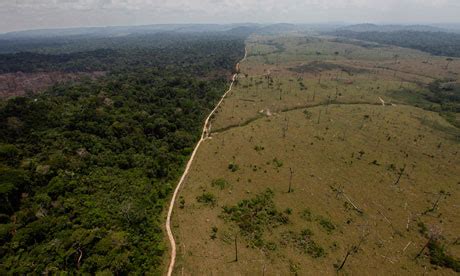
[20, 84]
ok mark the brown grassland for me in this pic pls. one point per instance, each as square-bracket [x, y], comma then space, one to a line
[308, 173]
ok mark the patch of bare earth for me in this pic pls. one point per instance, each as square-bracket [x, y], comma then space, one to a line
[20, 84]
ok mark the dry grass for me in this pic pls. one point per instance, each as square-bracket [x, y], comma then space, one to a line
[342, 156]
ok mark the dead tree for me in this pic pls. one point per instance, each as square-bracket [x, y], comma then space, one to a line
[236, 247]
[286, 127]
[319, 116]
[433, 235]
[401, 172]
[350, 251]
[433, 208]
[290, 179]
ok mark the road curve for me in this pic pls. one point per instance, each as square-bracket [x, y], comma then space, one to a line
[204, 135]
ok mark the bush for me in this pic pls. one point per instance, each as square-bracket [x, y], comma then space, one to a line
[233, 167]
[214, 232]
[221, 183]
[326, 224]
[303, 241]
[259, 148]
[254, 216]
[306, 215]
[207, 198]
[439, 257]
[277, 163]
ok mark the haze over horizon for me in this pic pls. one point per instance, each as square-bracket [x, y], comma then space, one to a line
[39, 14]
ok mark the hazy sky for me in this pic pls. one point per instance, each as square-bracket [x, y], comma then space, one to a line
[33, 14]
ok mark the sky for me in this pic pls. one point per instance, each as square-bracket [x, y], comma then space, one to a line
[37, 14]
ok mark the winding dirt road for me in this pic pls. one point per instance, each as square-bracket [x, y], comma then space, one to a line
[204, 135]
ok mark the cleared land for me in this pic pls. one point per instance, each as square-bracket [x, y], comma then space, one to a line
[309, 172]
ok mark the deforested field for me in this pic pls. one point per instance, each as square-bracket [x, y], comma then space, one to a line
[328, 156]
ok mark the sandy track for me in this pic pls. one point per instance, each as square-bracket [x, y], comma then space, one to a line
[204, 135]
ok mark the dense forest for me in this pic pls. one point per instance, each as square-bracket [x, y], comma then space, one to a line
[436, 43]
[86, 168]
[130, 52]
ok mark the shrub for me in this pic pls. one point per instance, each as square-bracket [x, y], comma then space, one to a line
[303, 241]
[258, 148]
[306, 215]
[221, 183]
[214, 232]
[233, 167]
[207, 199]
[254, 216]
[307, 114]
[277, 163]
[326, 224]
[439, 257]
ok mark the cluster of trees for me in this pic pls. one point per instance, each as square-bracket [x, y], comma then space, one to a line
[86, 168]
[436, 43]
[444, 97]
[445, 93]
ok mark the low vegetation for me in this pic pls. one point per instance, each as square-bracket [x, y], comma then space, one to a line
[254, 216]
[207, 199]
[304, 242]
[220, 183]
[439, 256]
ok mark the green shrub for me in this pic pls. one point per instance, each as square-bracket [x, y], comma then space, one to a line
[306, 215]
[303, 241]
[326, 224]
[277, 163]
[221, 183]
[207, 199]
[307, 114]
[254, 216]
[439, 257]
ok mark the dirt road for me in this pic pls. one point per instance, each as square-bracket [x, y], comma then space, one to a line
[204, 135]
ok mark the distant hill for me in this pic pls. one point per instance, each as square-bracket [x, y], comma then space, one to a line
[278, 28]
[390, 28]
[242, 30]
[60, 41]
[117, 31]
[451, 27]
